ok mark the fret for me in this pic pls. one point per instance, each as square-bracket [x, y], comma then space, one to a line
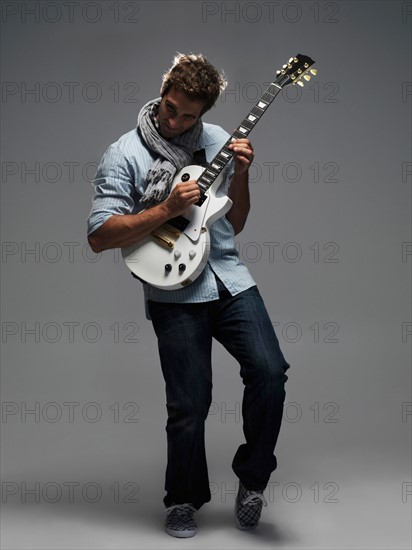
[268, 98]
[221, 162]
[255, 112]
[273, 90]
[237, 135]
[211, 173]
[246, 124]
[268, 92]
[226, 153]
[205, 179]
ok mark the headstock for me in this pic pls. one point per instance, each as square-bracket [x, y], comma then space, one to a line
[294, 70]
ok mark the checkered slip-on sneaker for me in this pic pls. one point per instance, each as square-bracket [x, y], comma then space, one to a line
[248, 508]
[179, 521]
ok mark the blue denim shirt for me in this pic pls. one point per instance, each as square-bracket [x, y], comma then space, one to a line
[119, 184]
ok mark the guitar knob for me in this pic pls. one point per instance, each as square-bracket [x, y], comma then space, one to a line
[185, 177]
[192, 254]
[168, 268]
[177, 254]
[182, 267]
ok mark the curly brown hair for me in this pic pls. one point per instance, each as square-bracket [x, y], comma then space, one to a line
[196, 77]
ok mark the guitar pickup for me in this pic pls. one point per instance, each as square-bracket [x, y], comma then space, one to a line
[180, 223]
[201, 200]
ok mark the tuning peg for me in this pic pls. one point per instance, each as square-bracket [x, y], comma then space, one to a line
[300, 83]
[278, 71]
[284, 66]
[290, 60]
[307, 77]
[313, 71]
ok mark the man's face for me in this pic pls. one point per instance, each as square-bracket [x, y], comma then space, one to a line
[177, 113]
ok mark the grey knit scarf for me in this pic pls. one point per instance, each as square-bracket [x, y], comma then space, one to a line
[173, 154]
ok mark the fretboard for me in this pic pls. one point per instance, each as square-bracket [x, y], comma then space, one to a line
[225, 154]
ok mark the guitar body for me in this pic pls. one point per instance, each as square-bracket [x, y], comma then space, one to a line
[171, 258]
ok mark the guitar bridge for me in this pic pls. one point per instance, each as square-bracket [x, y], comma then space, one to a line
[167, 235]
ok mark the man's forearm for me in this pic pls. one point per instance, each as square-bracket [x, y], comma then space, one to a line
[239, 194]
[124, 230]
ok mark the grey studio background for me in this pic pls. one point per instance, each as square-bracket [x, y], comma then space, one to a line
[328, 241]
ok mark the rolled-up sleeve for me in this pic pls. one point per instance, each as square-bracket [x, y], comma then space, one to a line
[114, 187]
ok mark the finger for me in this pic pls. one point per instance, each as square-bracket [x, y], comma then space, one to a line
[242, 147]
[191, 185]
[241, 142]
[244, 153]
[186, 187]
[190, 193]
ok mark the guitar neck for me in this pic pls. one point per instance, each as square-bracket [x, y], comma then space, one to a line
[225, 154]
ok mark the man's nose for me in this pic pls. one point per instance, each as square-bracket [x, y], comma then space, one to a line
[173, 123]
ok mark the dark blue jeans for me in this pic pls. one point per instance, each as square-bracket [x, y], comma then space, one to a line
[185, 331]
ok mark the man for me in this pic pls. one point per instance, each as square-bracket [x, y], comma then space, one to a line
[132, 199]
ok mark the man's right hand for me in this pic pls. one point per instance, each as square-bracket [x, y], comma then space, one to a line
[183, 195]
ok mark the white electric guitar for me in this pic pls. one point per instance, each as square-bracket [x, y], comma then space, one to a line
[175, 254]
